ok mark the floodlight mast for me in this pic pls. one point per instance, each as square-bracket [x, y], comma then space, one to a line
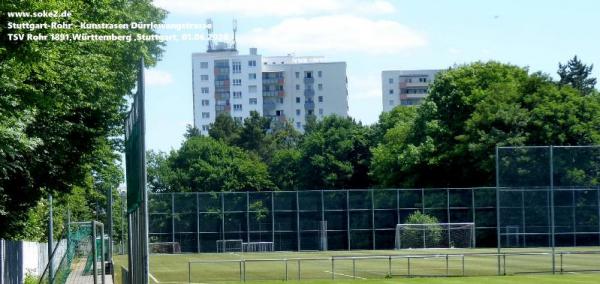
[234, 33]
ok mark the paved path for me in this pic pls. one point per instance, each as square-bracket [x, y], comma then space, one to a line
[78, 277]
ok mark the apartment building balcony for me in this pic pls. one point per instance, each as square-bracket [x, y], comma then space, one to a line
[403, 85]
[309, 80]
[281, 94]
[270, 93]
[268, 106]
[309, 105]
[309, 93]
[416, 96]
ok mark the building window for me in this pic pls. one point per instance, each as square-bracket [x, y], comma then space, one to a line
[391, 80]
[409, 80]
[252, 101]
[252, 63]
[310, 112]
[237, 95]
[320, 87]
[391, 91]
[204, 65]
[205, 127]
[237, 82]
[205, 102]
[252, 89]
[237, 107]
[298, 125]
[236, 67]
[320, 99]
[308, 74]
[297, 112]
[278, 112]
[205, 114]
[297, 100]
[320, 74]
[203, 77]
[297, 75]
[204, 90]
[280, 100]
[423, 80]
[320, 111]
[297, 87]
[252, 76]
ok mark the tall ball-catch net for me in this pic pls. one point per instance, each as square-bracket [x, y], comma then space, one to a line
[435, 235]
[229, 245]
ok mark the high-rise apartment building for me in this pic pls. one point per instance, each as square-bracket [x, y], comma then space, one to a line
[405, 87]
[282, 88]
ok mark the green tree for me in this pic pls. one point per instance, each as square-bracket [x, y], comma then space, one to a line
[577, 75]
[284, 169]
[204, 164]
[419, 236]
[225, 129]
[470, 110]
[66, 99]
[158, 171]
[335, 154]
[253, 133]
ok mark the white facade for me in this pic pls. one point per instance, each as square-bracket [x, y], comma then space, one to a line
[282, 88]
[310, 87]
[405, 87]
[225, 81]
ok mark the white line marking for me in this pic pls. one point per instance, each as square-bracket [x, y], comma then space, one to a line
[153, 278]
[342, 274]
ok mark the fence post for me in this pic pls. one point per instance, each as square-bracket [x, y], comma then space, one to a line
[190, 272]
[50, 241]
[408, 268]
[447, 268]
[244, 266]
[552, 229]
[332, 268]
[498, 240]
[299, 277]
[390, 266]
[94, 248]
[354, 268]
[561, 262]
[463, 265]
[2, 256]
[504, 263]
[286, 269]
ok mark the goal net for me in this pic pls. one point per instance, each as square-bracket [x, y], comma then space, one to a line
[229, 245]
[435, 235]
[165, 247]
[257, 246]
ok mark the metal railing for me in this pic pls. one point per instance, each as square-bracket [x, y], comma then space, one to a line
[385, 266]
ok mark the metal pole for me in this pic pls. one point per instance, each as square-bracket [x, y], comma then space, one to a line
[561, 263]
[504, 263]
[447, 268]
[473, 217]
[50, 241]
[94, 251]
[247, 218]
[273, 219]
[197, 222]
[463, 265]
[298, 222]
[332, 268]
[373, 218]
[348, 219]
[499, 243]
[223, 217]
[354, 268]
[390, 266]
[286, 269]
[552, 208]
[299, 274]
[110, 225]
[190, 272]
[448, 217]
[102, 255]
[408, 267]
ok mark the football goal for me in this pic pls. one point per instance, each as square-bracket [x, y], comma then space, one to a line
[165, 247]
[229, 245]
[435, 235]
[257, 246]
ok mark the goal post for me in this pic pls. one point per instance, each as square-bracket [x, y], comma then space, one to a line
[229, 245]
[165, 247]
[435, 235]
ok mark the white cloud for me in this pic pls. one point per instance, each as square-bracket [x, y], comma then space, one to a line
[278, 8]
[155, 77]
[339, 33]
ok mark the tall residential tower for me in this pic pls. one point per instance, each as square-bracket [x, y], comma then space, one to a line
[405, 87]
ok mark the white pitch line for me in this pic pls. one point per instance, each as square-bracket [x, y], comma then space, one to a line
[153, 278]
[342, 274]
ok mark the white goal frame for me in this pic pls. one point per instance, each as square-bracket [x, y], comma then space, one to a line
[257, 247]
[443, 231]
[234, 245]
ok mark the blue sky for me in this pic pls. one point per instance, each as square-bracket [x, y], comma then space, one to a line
[371, 36]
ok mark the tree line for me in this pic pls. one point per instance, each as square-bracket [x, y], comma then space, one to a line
[448, 141]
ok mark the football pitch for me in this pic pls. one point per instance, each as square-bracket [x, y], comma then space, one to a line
[573, 265]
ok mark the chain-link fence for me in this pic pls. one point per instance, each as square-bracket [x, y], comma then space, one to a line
[296, 220]
[548, 197]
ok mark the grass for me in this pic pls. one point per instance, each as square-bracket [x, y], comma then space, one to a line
[270, 268]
